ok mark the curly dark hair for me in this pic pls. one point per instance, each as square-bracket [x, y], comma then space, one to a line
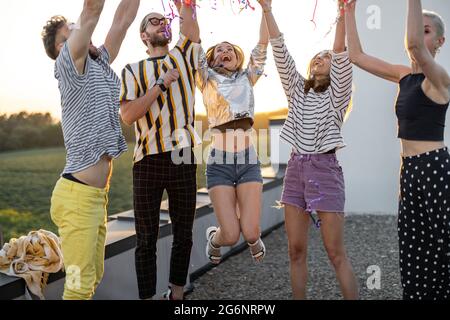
[49, 34]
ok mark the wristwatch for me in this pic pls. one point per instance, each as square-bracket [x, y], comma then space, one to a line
[160, 83]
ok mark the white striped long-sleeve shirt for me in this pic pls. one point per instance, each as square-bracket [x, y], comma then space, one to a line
[315, 119]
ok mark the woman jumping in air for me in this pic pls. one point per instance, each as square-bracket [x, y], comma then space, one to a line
[233, 171]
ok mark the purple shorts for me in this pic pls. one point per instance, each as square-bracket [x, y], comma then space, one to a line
[314, 182]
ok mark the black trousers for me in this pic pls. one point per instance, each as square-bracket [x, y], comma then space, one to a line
[424, 226]
[151, 176]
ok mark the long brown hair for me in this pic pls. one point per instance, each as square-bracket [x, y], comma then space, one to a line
[312, 83]
[237, 50]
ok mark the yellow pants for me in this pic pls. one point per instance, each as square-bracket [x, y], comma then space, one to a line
[79, 212]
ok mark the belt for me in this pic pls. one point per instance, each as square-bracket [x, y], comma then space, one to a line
[70, 177]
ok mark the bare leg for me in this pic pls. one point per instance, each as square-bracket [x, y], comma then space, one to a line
[177, 292]
[238, 212]
[297, 227]
[223, 199]
[249, 198]
[332, 229]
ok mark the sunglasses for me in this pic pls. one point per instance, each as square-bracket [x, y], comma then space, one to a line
[156, 22]
[324, 54]
[73, 26]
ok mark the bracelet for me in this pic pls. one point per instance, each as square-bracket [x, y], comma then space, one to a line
[267, 11]
[162, 87]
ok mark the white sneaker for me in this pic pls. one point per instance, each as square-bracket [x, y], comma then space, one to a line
[168, 295]
[212, 253]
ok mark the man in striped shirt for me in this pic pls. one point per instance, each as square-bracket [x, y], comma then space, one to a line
[92, 135]
[158, 95]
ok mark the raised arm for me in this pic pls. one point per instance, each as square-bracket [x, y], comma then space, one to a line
[339, 39]
[418, 51]
[263, 31]
[272, 26]
[341, 71]
[80, 38]
[368, 63]
[258, 57]
[123, 18]
[189, 24]
[286, 67]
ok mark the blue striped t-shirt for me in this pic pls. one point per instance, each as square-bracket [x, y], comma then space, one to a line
[90, 110]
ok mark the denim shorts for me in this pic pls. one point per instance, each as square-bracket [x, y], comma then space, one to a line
[314, 182]
[232, 168]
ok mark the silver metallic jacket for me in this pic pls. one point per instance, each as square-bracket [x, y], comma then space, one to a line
[229, 98]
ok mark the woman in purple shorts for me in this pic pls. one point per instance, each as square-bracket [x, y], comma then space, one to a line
[314, 180]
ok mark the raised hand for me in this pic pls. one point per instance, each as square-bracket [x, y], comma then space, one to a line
[178, 4]
[265, 4]
[188, 19]
[350, 6]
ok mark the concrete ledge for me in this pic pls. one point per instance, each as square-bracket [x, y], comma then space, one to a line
[119, 281]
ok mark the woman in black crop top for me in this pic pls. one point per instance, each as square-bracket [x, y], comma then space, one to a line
[424, 203]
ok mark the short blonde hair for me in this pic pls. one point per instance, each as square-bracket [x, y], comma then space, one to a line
[437, 21]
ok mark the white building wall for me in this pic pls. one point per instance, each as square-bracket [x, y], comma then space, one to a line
[371, 160]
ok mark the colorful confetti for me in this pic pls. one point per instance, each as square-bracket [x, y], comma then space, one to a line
[237, 6]
[310, 208]
[313, 20]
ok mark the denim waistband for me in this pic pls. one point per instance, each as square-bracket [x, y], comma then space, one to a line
[247, 151]
[248, 155]
[313, 156]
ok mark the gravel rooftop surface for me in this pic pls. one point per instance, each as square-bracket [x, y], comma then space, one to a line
[370, 240]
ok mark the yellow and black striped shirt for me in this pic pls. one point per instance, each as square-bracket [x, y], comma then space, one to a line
[169, 123]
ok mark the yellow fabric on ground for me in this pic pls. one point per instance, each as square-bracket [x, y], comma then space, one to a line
[32, 257]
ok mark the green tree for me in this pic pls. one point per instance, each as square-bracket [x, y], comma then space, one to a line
[29, 131]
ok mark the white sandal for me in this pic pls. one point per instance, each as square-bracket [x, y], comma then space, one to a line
[260, 253]
[212, 252]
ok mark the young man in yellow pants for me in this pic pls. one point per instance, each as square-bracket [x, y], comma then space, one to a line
[92, 135]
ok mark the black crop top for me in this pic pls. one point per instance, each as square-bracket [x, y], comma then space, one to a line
[419, 118]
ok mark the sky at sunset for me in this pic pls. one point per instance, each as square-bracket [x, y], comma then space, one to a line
[27, 81]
